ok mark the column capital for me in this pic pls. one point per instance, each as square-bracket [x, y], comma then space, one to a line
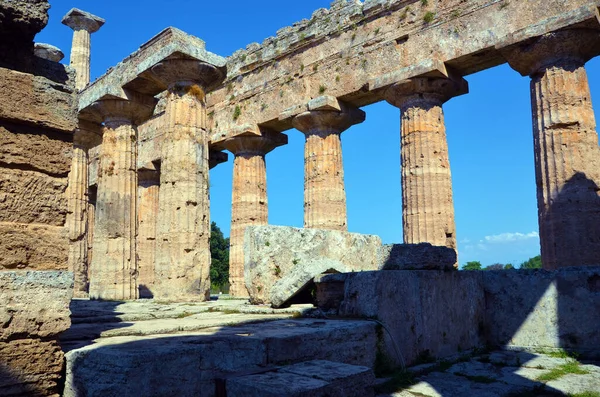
[182, 73]
[216, 157]
[123, 111]
[255, 144]
[572, 47]
[327, 115]
[426, 90]
[77, 19]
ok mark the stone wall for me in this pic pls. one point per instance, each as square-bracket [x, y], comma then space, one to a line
[34, 309]
[37, 118]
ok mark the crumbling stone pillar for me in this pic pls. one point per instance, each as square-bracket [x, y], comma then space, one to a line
[427, 206]
[567, 157]
[113, 270]
[77, 221]
[148, 193]
[182, 264]
[83, 24]
[249, 204]
[324, 191]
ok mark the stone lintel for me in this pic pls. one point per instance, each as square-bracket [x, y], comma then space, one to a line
[570, 46]
[77, 19]
[216, 157]
[326, 118]
[434, 90]
[244, 129]
[263, 144]
[426, 68]
[134, 73]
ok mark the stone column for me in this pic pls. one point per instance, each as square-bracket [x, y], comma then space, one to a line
[324, 191]
[77, 221]
[249, 204]
[83, 25]
[148, 193]
[567, 157]
[427, 206]
[113, 270]
[182, 264]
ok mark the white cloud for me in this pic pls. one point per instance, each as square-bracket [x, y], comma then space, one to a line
[511, 237]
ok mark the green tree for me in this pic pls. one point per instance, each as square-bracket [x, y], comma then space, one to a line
[495, 266]
[219, 253]
[532, 263]
[474, 265]
[508, 266]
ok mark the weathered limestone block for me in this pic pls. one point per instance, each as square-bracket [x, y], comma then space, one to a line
[36, 100]
[422, 256]
[34, 149]
[567, 157]
[34, 247]
[428, 312]
[182, 263]
[34, 309]
[324, 191]
[556, 309]
[427, 205]
[249, 203]
[148, 193]
[48, 51]
[21, 20]
[32, 197]
[280, 261]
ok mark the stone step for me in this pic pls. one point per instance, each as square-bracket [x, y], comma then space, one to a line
[187, 364]
[316, 378]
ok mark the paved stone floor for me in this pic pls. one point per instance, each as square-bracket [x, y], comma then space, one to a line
[502, 373]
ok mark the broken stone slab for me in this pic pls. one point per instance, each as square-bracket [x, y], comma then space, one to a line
[422, 256]
[281, 261]
[49, 52]
[314, 378]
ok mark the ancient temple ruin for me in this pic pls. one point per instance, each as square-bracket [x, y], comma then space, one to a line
[151, 127]
[110, 180]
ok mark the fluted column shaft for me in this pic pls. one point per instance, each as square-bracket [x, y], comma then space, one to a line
[182, 269]
[428, 209]
[249, 204]
[427, 204]
[324, 190]
[566, 153]
[113, 272]
[148, 194]
[78, 216]
[80, 57]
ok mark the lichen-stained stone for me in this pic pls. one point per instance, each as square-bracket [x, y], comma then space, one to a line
[280, 261]
[427, 205]
[249, 196]
[34, 309]
[567, 157]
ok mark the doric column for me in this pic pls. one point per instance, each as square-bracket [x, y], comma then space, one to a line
[567, 158]
[148, 193]
[83, 24]
[324, 191]
[77, 221]
[113, 270]
[249, 204]
[182, 263]
[427, 206]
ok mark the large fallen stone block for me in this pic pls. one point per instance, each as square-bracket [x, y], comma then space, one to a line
[34, 309]
[422, 256]
[281, 261]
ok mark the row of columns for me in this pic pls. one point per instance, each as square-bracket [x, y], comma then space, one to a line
[566, 159]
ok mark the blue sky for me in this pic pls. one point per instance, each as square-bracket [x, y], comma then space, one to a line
[489, 130]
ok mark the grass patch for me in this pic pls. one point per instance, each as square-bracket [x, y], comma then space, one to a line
[429, 17]
[571, 367]
[231, 311]
[184, 315]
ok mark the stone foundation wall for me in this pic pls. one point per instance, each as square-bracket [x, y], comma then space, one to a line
[34, 310]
